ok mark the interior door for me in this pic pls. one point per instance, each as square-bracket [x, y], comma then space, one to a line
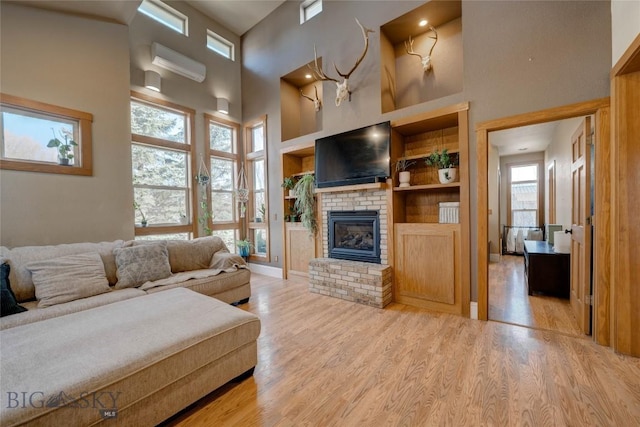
[581, 225]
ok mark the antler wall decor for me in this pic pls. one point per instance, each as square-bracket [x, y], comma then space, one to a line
[342, 89]
[426, 60]
[317, 103]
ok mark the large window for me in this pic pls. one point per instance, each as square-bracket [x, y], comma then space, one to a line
[166, 15]
[524, 195]
[222, 150]
[258, 209]
[309, 9]
[161, 157]
[40, 137]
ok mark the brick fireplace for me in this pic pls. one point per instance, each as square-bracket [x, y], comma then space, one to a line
[349, 277]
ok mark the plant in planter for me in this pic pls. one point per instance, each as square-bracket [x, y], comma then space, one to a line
[288, 183]
[136, 206]
[65, 150]
[244, 247]
[446, 164]
[305, 203]
[404, 176]
[293, 214]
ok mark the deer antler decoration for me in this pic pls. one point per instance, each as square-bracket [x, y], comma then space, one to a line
[342, 90]
[426, 60]
[317, 103]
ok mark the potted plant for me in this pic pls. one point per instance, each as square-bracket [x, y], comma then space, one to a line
[446, 165]
[404, 176]
[65, 150]
[293, 215]
[244, 247]
[136, 206]
[288, 183]
[305, 203]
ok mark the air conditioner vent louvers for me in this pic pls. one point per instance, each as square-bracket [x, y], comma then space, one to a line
[177, 63]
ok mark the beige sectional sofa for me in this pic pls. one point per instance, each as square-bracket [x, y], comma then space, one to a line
[122, 330]
[203, 265]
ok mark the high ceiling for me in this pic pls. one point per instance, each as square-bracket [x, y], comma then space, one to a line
[236, 15]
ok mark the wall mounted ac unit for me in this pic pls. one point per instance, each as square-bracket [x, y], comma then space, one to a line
[177, 63]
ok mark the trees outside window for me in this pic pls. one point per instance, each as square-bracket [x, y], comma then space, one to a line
[257, 174]
[161, 160]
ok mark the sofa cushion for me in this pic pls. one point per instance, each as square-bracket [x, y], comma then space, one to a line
[8, 302]
[68, 278]
[142, 263]
[124, 352]
[35, 314]
[21, 282]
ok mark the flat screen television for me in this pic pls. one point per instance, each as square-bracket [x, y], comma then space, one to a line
[358, 156]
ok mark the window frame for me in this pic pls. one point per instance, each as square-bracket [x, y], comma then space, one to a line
[84, 151]
[234, 156]
[540, 185]
[188, 147]
[250, 157]
[169, 11]
[229, 44]
[307, 6]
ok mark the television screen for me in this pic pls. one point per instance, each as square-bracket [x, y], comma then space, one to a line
[356, 157]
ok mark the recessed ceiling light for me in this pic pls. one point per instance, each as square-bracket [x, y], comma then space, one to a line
[423, 23]
[307, 76]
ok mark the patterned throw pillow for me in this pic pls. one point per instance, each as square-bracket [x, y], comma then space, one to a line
[141, 264]
[7, 298]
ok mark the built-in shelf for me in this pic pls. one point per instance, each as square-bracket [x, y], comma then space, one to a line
[358, 187]
[427, 187]
[290, 197]
[303, 173]
[422, 156]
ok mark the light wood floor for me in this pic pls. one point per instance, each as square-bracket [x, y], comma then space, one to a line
[329, 362]
[509, 301]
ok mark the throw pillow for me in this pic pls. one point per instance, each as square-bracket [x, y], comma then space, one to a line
[189, 255]
[141, 264]
[68, 278]
[8, 303]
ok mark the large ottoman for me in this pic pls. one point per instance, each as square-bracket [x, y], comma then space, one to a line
[140, 360]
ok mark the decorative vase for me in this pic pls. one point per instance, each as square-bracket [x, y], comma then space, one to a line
[64, 162]
[292, 192]
[143, 223]
[447, 175]
[405, 178]
[243, 251]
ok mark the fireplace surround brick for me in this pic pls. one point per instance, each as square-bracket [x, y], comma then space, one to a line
[361, 282]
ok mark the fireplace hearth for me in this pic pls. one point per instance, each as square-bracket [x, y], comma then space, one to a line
[354, 235]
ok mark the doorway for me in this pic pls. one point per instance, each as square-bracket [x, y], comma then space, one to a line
[527, 203]
[598, 108]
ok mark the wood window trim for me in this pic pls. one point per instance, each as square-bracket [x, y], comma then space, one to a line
[235, 156]
[250, 157]
[84, 121]
[187, 147]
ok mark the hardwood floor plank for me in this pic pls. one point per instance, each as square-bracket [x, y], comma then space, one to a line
[329, 362]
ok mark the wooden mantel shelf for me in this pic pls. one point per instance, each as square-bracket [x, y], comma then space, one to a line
[358, 187]
[427, 187]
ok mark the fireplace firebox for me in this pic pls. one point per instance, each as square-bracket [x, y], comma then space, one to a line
[354, 235]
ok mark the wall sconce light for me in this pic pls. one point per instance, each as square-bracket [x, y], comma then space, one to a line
[222, 105]
[152, 80]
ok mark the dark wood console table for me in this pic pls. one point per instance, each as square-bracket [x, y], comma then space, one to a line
[546, 271]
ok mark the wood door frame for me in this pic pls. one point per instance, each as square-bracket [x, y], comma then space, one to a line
[599, 108]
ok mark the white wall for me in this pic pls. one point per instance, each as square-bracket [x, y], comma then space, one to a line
[625, 26]
[80, 64]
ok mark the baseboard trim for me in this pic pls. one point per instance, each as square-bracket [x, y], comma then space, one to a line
[473, 312]
[494, 257]
[266, 270]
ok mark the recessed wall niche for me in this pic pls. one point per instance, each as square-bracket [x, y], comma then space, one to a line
[403, 79]
[298, 113]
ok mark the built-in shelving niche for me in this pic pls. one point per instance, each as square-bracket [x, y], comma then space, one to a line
[403, 80]
[298, 114]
